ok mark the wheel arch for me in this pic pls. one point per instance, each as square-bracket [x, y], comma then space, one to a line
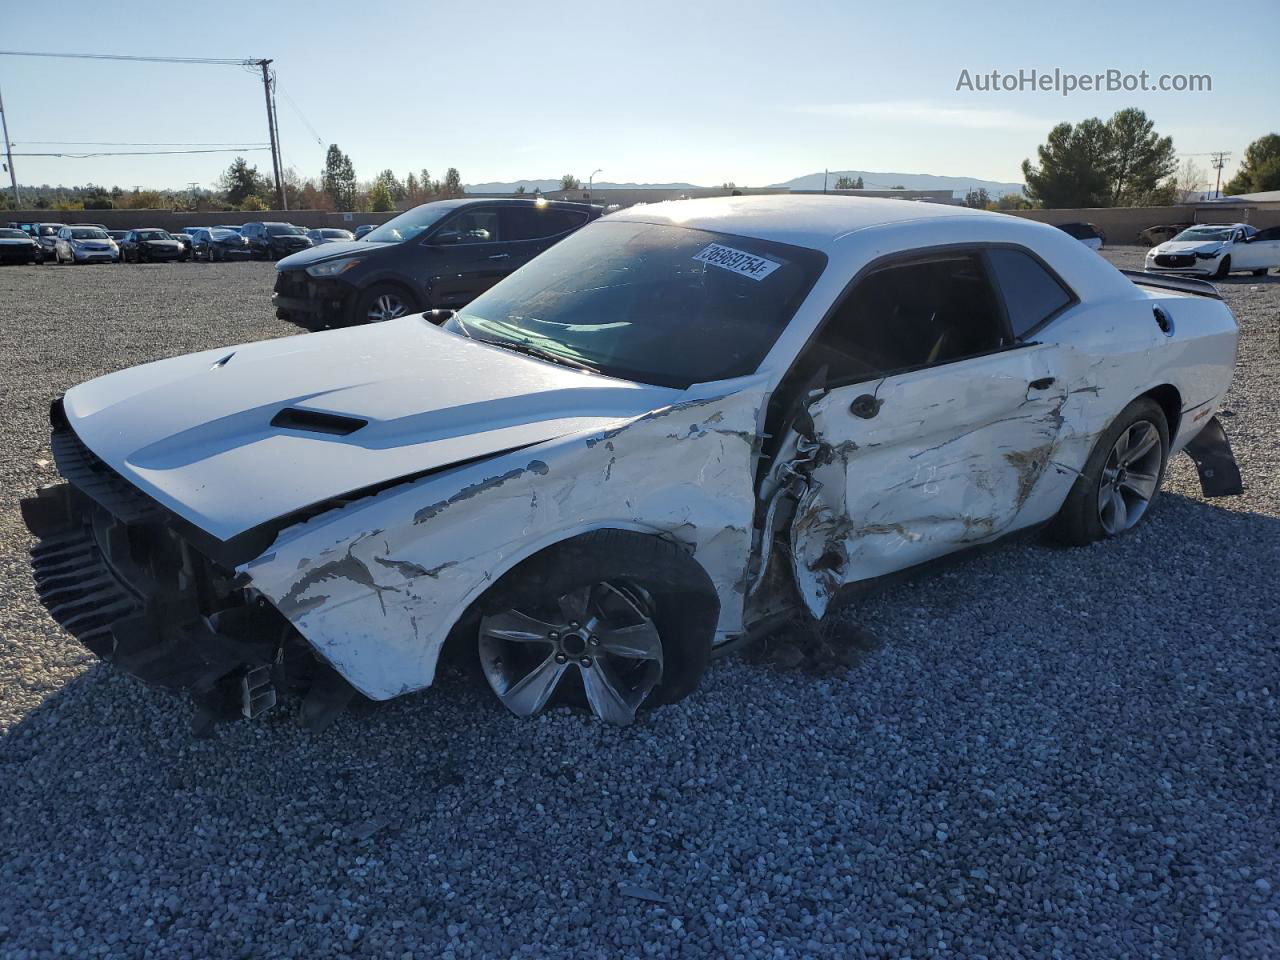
[1170, 400]
[467, 615]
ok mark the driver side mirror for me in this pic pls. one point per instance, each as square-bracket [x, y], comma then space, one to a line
[445, 238]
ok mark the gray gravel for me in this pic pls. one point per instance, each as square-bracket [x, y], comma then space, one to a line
[1053, 754]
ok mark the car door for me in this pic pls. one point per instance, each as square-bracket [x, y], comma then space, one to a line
[934, 431]
[466, 255]
[1259, 250]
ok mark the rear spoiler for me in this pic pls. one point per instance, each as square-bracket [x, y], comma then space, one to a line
[1202, 288]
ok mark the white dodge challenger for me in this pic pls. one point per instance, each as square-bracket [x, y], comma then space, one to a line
[669, 432]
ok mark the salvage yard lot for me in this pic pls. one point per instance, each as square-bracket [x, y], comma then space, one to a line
[1050, 749]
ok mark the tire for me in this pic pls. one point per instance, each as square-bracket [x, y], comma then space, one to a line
[644, 596]
[1223, 268]
[1082, 518]
[381, 302]
[1260, 273]
[213, 254]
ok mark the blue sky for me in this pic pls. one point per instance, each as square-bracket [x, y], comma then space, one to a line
[651, 91]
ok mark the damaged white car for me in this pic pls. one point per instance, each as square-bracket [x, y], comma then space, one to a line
[668, 432]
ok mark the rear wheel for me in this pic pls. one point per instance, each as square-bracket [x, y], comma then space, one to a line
[1121, 478]
[612, 621]
[382, 302]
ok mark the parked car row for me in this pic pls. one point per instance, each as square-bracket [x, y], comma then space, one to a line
[36, 242]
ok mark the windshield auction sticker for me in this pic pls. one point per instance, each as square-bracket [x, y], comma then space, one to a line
[737, 261]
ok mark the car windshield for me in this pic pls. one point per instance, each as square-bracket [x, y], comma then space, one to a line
[1205, 233]
[88, 233]
[222, 234]
[335, 234]
[409, 224]
[284, 230]
[153, 235]
[618, 296]
[6, 234]
[50, 229]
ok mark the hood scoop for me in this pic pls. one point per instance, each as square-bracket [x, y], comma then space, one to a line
[315, 421]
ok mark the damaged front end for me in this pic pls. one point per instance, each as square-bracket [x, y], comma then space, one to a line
[121, 573]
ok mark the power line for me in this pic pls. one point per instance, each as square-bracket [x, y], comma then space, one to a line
[139, 153]
[222, 61]
[298, 111]
[139, 143]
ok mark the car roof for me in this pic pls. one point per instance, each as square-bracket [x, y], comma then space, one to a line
[817, 221]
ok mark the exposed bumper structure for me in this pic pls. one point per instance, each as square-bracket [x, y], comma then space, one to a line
[114, 569]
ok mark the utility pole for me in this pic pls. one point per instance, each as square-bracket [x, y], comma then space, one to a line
[824, 180]
[1219, 161]
[271, 129]
[8, 150]
[275, 115]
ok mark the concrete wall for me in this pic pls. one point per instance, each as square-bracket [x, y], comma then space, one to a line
[1121, 224]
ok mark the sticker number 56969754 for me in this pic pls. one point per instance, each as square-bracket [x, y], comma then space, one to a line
[737, 261]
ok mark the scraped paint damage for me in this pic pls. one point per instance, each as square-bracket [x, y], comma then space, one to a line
[376, 587]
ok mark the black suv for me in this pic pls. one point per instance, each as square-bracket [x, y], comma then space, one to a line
[439, 255]
[271, 241]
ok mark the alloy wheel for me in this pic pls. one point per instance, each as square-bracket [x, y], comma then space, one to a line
[388, 306]
[1129, 477]
[602, 637]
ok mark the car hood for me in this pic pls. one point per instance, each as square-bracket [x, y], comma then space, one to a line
[196, 433]
[1191, 246]
[329, 251]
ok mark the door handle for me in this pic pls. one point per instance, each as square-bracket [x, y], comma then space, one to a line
[865, 406]
[1044, 383]
[500, 256]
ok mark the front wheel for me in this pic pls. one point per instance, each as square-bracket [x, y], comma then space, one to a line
[612, 621]
[383, 302]
[1121, 478]
[1223, 268]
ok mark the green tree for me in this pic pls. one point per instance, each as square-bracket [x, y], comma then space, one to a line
[1260, 169]
[520, 189]
[1013, 201]
[339, 178]
[426, 185]
[849, 183]
[977, 198]
[452, 186]
[241, 181]
[1138, 160]
[380, 198]
[1096, 163]
[411, 189]
[392, 183]
[570, 182]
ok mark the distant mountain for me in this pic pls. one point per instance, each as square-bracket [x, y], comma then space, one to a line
[546, 185]
[877, 180]
[871, 179]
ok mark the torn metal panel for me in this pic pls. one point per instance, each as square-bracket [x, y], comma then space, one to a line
[376, 587]
[921, 464]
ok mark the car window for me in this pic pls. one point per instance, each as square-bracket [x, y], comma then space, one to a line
[908, 315]
[284, 230]
[471, 226]
[1205, 233]
[535, 223]
[1031, 293]
[618, 294]
[87, 233]
[151, 235]
[13, 235]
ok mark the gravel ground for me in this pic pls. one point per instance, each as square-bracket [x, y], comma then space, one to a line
[1053, 753]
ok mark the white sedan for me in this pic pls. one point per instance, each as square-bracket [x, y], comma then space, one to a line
[674, 428]
[1217, 249]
